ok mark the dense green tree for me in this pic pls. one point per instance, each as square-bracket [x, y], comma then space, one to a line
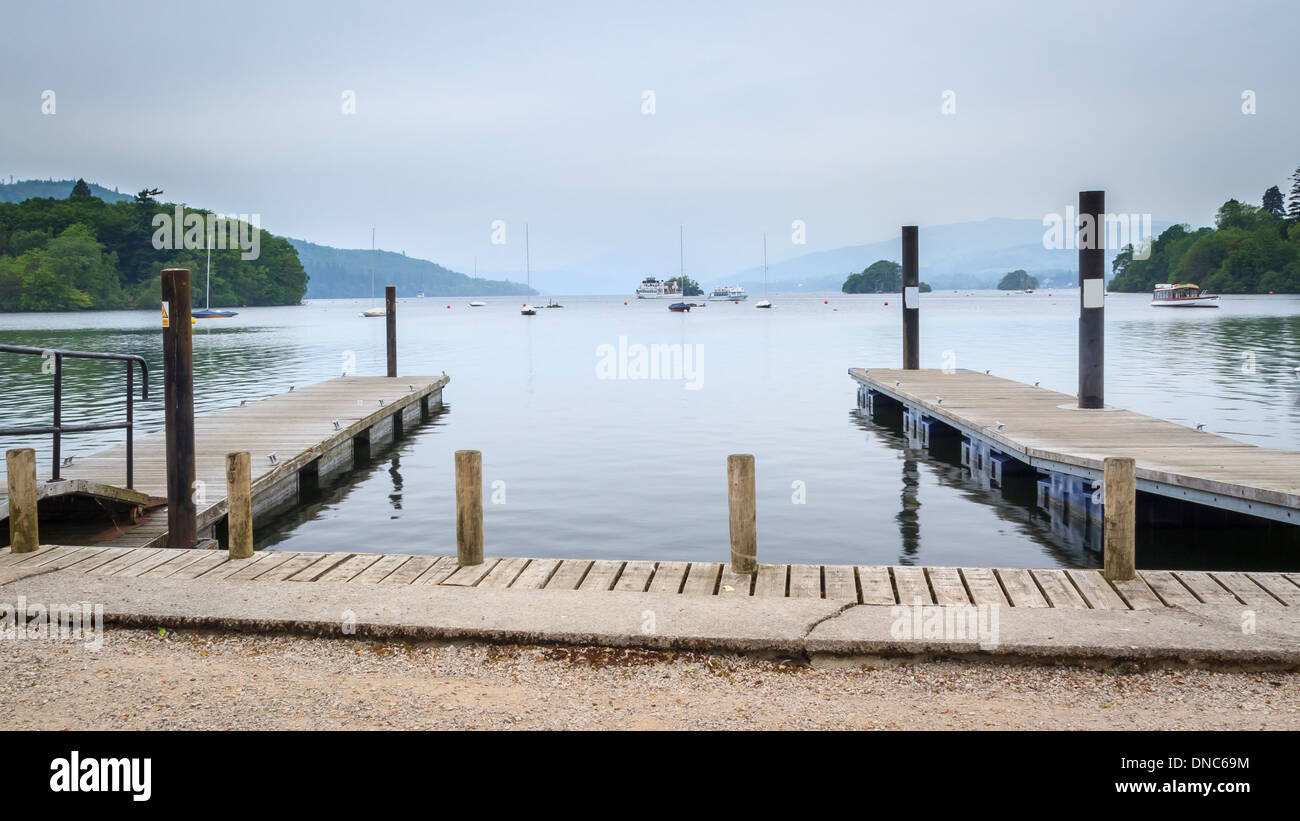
[80, 190]
[1249, 251]
[1293, 205]
[880, 277]
[1273, 202]
[1017, 280]
[687, 286]
[81, 252]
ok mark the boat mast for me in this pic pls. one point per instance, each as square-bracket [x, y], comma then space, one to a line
[528, 265]
[764, 265]
[681, 258]
[207, 290]
[372, 263]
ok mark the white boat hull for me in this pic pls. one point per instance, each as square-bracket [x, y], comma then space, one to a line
[1197, 302]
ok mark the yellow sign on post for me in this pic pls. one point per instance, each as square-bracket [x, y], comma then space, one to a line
[193, 321]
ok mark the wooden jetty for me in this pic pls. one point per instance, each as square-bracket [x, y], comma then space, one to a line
[314, 432]
[1062, 589]
[1000, 419]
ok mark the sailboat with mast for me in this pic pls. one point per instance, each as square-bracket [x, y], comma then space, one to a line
[477, 303]
[764, 302]
[528, 310]
[207, 312]
[373, 310]
[679, 307]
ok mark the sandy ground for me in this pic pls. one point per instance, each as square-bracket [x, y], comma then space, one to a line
[201, 680]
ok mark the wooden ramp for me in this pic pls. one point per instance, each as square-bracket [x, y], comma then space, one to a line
[862, 584]
[1046, 430]
[314, 430]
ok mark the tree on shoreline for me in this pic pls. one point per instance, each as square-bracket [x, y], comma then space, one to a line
[1273, 202]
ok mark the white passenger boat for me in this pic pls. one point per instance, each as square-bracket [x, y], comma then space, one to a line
[1184, 295]
[734, 293]
[650, 288]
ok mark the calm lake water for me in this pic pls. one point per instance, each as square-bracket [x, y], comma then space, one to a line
[586, 466]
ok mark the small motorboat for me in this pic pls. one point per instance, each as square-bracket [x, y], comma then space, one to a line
[208, 313]
[1186, 295]
[477, 304]
[528, 310]
[550, 303]
[374, 312]
[763, 303]
[679, 307]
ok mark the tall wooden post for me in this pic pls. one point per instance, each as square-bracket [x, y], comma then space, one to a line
[1120, 504]
[390, 307]
[911, 301]
[239, 505]
[178, 402]
[1092, 299]
[742, 508]
[469, 507]
[21, 466]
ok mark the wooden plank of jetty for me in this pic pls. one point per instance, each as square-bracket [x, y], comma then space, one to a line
[1057, 588]
[1045, 429]
[299, 426]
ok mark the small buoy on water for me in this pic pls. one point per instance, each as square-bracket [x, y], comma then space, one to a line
[886, 302]
[625, 302]
[826, 302]
[448, 306]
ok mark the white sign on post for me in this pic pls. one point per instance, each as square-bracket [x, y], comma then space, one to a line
[1094, 293]
[911, 297]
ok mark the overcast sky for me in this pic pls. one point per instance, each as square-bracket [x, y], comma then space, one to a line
[764, 113]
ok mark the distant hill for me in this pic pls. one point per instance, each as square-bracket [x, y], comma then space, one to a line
[961, 255]
[58, 189]
[337, 273]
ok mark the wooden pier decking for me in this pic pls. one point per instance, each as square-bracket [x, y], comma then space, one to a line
[1046, 430]
[1063, 589]
[313, 430]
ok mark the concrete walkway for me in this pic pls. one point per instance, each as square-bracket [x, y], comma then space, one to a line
[1233, 635]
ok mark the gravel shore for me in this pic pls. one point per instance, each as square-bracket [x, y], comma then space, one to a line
[201, 680]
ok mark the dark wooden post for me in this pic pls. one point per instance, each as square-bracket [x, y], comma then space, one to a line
[390, 306]
[469, 507]
[911, 301]
[178, 399]
[742, 509]
[1092, 299]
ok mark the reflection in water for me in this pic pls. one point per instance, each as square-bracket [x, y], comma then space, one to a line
[395, 473]
[909, 514]
[633, 469]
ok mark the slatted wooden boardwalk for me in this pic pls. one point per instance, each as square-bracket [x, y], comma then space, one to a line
[863, 584]
[1044, 429]
[313, 426]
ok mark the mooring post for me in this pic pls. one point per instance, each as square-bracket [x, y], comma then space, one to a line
[911, 301]
[1092, 299]
[239, 505]
[178, 401]
[21, 466]
[1119, 559]
[469, 507]
[742, 507]
[390, 306]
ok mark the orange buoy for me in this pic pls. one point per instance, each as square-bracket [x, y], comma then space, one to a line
[826, 302]
[886, 302]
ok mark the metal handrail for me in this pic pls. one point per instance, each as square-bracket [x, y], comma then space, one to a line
[58, 428]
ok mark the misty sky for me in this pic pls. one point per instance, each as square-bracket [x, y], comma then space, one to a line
[765, 113]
